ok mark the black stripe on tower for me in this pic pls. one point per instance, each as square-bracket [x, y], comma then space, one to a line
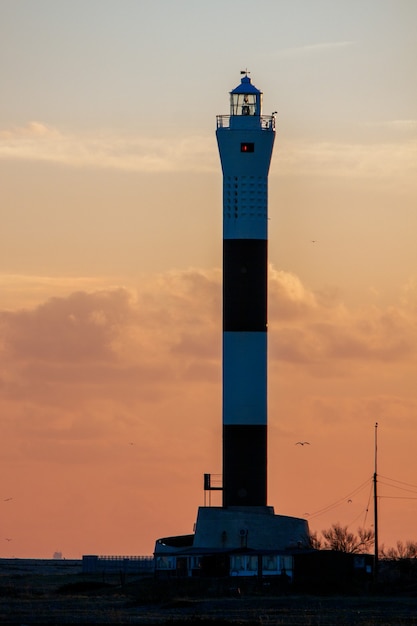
[244, 465]
[245, 285]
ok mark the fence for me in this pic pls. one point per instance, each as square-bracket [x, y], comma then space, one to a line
[137, 564]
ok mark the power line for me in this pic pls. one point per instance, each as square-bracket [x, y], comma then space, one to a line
[398, 488]
[398, 497]
[357, 517]
[358, 489]
[340, 501]
[397, 481]
[367, 506]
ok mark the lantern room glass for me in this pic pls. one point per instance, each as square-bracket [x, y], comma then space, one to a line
[245, 104]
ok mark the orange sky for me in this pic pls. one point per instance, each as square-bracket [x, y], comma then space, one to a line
[111, 409]
[110, 265]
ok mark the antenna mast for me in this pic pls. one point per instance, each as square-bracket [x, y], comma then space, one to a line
[376, 507]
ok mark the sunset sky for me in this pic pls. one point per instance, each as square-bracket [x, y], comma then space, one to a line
[110, 263]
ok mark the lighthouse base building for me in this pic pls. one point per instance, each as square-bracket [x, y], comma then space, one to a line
[235, 541]
[244, 537]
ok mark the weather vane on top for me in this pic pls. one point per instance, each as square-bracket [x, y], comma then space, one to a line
[246, 72]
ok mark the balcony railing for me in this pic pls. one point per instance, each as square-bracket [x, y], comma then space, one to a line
[264, 122]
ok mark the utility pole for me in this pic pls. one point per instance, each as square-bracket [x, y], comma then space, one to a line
[376, 508]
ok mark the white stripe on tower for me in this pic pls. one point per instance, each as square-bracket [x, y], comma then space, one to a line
[245, 140]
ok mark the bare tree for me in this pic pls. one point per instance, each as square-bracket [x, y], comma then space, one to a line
[340, 539]
[402, 550]
[315, 541]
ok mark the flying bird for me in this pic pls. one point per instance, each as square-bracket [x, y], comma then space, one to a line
[7, 499]
[302, 443]
[7, 539]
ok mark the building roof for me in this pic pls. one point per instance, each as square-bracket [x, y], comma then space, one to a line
[246, 87]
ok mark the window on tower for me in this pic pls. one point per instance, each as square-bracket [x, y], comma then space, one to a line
[247, 146]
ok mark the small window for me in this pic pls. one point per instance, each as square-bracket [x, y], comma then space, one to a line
[247, 147]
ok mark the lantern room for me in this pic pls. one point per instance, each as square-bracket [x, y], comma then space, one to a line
[245, 99]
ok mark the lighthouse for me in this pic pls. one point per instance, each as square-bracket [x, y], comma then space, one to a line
[244, 536]
[245, 139]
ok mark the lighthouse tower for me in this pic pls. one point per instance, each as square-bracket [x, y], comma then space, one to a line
[242, 537]
[245, 139]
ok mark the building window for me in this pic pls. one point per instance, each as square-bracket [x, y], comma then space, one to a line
[165, 562]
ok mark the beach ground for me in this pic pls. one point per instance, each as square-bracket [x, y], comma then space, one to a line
[59, 593]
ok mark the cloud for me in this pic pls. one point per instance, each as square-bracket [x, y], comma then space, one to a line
[383, 161]
[20, 291]
[397, 125]
[409, 294]
[328, 46]
[124, 341]
[74, 329]
[288, 297]
[40, 142]
[146, 342]
[198, 153]
[307, 327]
[32, 130]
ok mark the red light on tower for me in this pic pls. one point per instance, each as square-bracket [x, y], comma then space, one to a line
[247, 147]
